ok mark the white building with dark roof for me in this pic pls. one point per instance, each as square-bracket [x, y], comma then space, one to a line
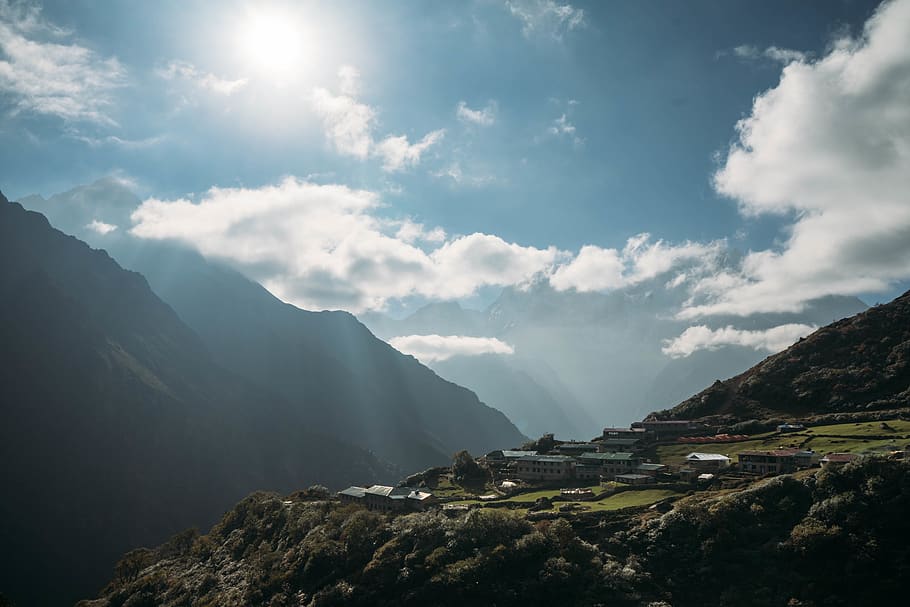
[705, 462]
[545, 467]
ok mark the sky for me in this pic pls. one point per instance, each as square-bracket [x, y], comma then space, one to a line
[377, 156]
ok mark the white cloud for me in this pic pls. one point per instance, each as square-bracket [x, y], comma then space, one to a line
[546, 17]
[52, 78]
[325, 246]
[433, 348]
[397, 154]
[830, 146]
[349, 80]
[562, 126]
[128, 144]
[600, 269]
[182, 70]
[774, 53]
[349, 125]
[457, 175]
[485, 116]
[101, 227]
[702, 337]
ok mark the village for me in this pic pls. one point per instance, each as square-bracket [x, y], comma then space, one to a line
[650, 463]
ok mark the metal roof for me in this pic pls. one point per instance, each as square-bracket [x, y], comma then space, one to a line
[707, 457]
[383, 490]
[546, 458]
[353, 491]
[608, 456]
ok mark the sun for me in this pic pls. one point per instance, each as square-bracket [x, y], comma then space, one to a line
[273, 44]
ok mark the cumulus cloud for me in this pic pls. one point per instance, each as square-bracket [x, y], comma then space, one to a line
[433, 348]
[100, 227]
[182, 70]
[702, 337]
[326, 246]
[397, 154]
[546, 17]
[600, 269]
[485, 116]
[42, 74]
[830, 146]
[349, 125]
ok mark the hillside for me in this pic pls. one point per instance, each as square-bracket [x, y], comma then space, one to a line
[834, 539]
[347, 383]
[116, 427]
[861, 363]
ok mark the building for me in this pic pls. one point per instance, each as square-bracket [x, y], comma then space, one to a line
[574, 448]
[783, 428]
[611, 464]
[505, 455]
[707, 462]
[623, 433]
[634, 479]
[352, 495]
[617, 445]
[650, 469]
[545, 467]
[382, 498]
[834, 460]
[672, 429]
[778, 461]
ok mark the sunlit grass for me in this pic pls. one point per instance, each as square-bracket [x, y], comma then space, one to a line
[901, 428]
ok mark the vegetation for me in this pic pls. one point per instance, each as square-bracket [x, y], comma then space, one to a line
[837, 537]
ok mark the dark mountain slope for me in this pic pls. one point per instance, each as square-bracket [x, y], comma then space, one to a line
[861, 363]
[349, 383]
[116, 428]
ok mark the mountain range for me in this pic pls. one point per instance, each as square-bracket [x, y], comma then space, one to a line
[591, 358]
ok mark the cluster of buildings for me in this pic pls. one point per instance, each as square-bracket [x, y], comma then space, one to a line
[613, 456]
[589, 465]
[382, 498]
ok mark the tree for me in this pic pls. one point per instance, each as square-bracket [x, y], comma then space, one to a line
[465, 466]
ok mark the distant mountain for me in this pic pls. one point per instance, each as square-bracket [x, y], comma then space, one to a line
[861, 363]
[117, 428]
[346, 382]
[605, 347]
[530, 405]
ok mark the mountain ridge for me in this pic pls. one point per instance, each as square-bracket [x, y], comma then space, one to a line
[860, 363]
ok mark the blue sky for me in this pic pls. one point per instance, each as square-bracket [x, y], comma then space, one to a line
[580, 124]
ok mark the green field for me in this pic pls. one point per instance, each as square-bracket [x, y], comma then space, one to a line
[901, 428]
[824, 445]
[853, 442]
[627, 499]
[675, 455]
[550, 493]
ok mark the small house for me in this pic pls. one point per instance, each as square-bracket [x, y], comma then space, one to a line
[777, 461]
[707, 462]
[834, 460]
[634, 479]
[611, 464]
